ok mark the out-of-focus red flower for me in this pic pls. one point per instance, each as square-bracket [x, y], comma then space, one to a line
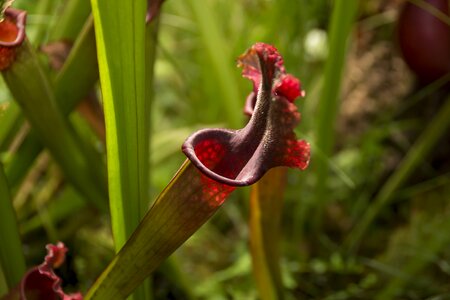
[12, 34]
[241, 157]
[424, 40]
[41, 282]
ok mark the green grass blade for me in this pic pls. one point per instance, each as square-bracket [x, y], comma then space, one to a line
[418, 152]
[22, 159]
[66, 204]
[12, 260]
[344, 12]
[70, 22]
[39, 106]
[436, 241]
[120, 36]
[11, 119]
[39, 32]
[75, 80]
[151, 39]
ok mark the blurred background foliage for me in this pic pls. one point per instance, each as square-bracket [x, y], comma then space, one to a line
[382, 110]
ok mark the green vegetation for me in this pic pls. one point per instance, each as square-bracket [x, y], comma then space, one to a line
[368, 219]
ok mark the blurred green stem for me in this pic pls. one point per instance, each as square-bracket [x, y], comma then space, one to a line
[70, 22]
[65, 204]
[266, 207]
[42, 196]
[215, 48]
[80, 71]
[151, 41]
[38, 104]
[426, 142]
[12, 260]
[22, 159]
[11, 119]
[72, 84]
[344, 13]
[44, 8]
[170, 268]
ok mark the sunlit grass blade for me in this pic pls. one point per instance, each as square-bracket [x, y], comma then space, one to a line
[38, 104]
[426, 142]
[187, 203]
[344, 13]
[120, 36]
[266, 206]
[12, 261]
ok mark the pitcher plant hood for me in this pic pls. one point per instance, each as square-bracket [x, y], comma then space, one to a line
[241, 157]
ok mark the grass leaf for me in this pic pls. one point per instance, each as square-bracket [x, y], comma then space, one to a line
[418, 152]
[120, 36]
[12, 261]
[344, 12]
[266, 207]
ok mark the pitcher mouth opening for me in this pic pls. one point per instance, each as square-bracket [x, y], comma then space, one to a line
[209, 150]
[12, 28]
